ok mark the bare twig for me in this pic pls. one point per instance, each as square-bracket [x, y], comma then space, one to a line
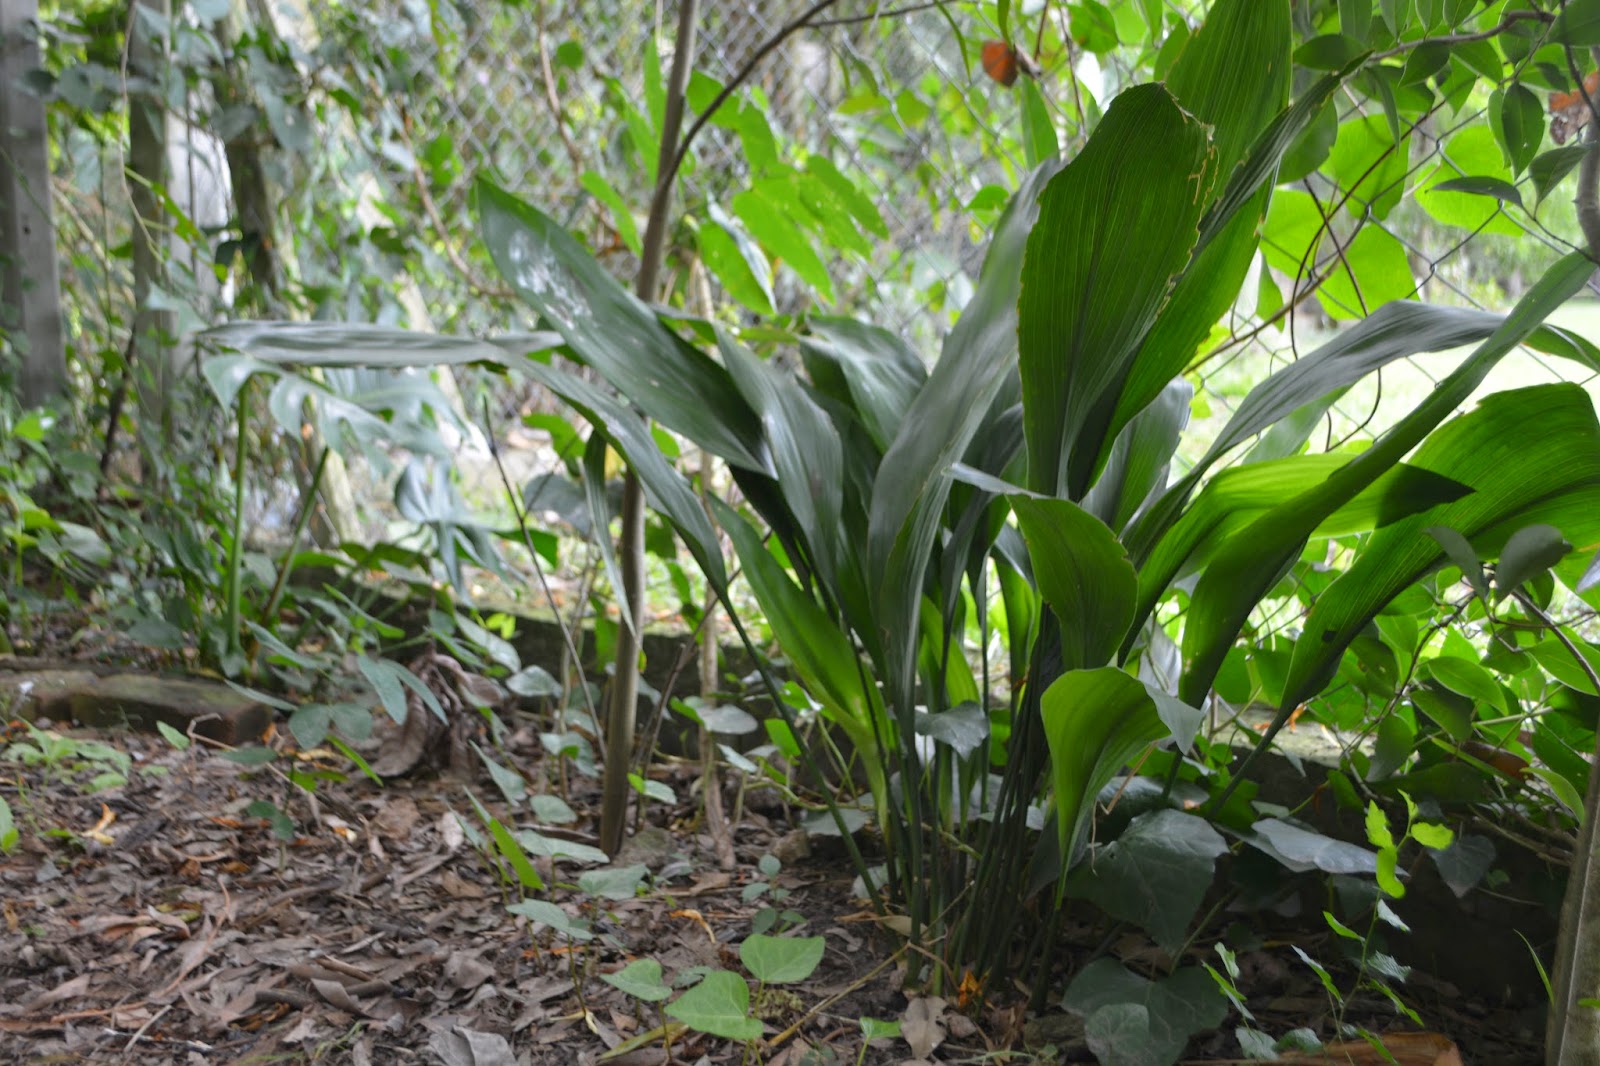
[1511, 19]
[664, 180]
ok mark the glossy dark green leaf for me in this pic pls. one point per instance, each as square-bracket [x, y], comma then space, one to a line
[1549, 168]
[1233, 76]
[356, 344]
[1392, 332]
[820, 652]
[1578, 24]
[979, 358]
[665, 488]
[1136, 469]
[1095, 721]
[1532, 550]
[803, 450]
[1084, 575]
[1130, 1020]
[1533, 456]
[613, 331]
[1518, 123]
[1498, 188]
[1115, 226]
[881, 375]
[1237, 497]
[1234, 583]
[1156, 874]
[1260, 164]
[1459, 550]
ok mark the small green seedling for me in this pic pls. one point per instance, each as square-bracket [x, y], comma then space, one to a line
[774, 917]
[875, 1029]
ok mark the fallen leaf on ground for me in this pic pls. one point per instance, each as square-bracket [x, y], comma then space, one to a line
[922, 1026]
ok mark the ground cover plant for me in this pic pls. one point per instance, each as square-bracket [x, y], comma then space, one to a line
[998, 597]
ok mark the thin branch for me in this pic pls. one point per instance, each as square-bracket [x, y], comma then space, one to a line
[1505, 24]
[451, 253]
[875, 16]
[664, 179]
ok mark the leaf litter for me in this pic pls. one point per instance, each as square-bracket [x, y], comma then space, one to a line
[159, 921]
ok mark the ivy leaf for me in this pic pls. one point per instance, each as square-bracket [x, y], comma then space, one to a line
[1156, 874]
[640, 979]
[781, 960]
[719, 1005]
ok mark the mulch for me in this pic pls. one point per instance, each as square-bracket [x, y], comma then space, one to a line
[160, 920]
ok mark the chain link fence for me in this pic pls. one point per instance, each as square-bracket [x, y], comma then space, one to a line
[539, 95]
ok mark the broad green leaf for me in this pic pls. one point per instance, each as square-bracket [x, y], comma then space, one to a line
[1155, 874]
[613, 331]
[962, 727]
[719, 1005]
[1498, 188]
[1465, 677]
[1373, 270]
[1038, 128]
[1518, 123]
[1532, 455]
[1115, 225]
[860, 205]
[640, 979]
[1095, 721]
[730, 254]
[665, 488]
[1236, 497]
[1204, 292]
[803, 451]
[1241, 574]
[1355, 18]
[1531, 551]
[772, 211]
[1392, 332]
[1136, 468]
[1548, 169]
[821, 654]
[1132, 1021]
[878, 373]
[1330, 51]
[1300, 850]
[1260, 164]
[1578, 24]
[1084, 575]
[1370, 164]
[781, 960]
[356, 344]
[1470, 152]
[615, 882]
[549, 914]
[978, 360]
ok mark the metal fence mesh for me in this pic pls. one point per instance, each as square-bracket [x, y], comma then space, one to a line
[537, 94]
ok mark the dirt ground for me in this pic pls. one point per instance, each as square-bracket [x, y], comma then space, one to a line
[160, 921]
